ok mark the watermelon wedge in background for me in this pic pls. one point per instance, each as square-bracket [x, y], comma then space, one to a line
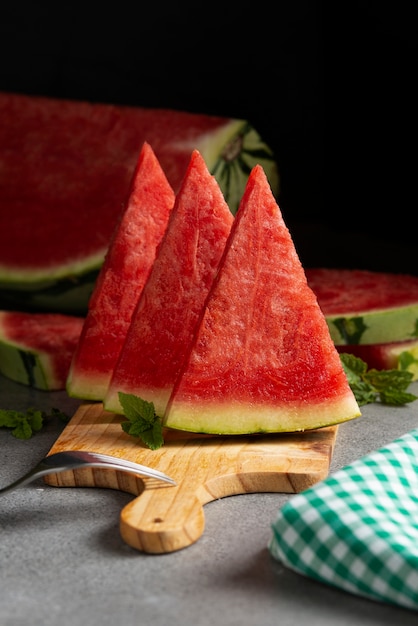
[65, 170]
[262, 359]
[402, 355]
[372, 315]
[365, 308]
[36, 348]
[168, 308]
[123, 275]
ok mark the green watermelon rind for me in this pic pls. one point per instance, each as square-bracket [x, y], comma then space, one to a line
[231, 153]
[378, 326]
[26, 367]
[240, 419]
[45, 278]
[69, 294]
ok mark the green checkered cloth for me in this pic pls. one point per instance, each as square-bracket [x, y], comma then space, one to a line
[358, 529]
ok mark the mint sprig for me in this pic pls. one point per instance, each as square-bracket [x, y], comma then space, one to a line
[24, 424]
[372, 385]
[142, 420]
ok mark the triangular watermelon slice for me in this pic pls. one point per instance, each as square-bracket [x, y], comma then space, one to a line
[121, 279]
[163, 323]
[262, 359]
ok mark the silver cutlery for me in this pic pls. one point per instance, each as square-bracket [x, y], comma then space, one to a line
[75, 459]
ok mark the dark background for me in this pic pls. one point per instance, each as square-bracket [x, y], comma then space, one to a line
[300, 71]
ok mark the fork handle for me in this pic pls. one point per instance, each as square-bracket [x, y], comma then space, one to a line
[30, 476]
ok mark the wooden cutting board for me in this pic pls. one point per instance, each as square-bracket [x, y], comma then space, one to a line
[164, 518]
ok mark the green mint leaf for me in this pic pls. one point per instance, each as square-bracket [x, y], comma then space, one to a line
[135, 428]
[363, 392]
[8, 419]
[60, 415]
[135, 408]
[35, 419]
[24, 425]
[354, 367]
[396, 397]
[23, 430]
[371, 385]
[142, 421]
[384, 379]
[153, 437]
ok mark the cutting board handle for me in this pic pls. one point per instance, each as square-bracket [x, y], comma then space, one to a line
[156, 522]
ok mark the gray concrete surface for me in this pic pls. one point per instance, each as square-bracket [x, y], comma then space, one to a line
[62, 560]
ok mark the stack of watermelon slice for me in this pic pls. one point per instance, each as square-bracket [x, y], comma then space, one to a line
[372, 315]
[226, 336]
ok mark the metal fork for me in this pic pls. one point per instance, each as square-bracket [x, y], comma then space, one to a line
[75, 459]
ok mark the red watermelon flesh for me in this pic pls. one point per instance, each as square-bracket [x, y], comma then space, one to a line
[122, 277]
[347, 291]
[262, 359]
[167, 311]
[65, 167]
[36, 348]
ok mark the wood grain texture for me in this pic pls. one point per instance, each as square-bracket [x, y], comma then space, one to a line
[162, 518]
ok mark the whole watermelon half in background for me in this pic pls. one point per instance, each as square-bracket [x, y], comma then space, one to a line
[65, 171]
